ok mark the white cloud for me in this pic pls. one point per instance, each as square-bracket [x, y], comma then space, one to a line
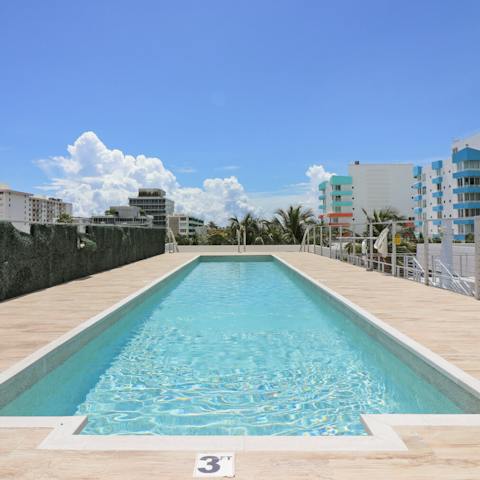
[317, 175]
[93, 177]
[300, 193]
[228, 167]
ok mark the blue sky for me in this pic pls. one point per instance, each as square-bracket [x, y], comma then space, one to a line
[261, 90]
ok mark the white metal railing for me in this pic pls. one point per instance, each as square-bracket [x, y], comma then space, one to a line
[305, 243]
[411, 269]
[444, 278]
[342, 243]
[171, 246]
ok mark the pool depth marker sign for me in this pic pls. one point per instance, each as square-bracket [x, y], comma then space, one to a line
[214, 465]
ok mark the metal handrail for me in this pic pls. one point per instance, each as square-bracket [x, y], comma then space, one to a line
[239, 239]
[428, 271]
[172, 244]
[455, 282]
[306, 234]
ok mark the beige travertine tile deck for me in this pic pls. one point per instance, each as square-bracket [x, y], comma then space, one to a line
[447, 323]
[33, 320]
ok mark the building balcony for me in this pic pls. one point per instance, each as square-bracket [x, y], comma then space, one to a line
[467, 173]
[342, 204]
[437, 180]
[321, 207]
[417, 210]
[462, 205]
[322, 186]
[463, 221]
[417, 198]
[418, 223]
[437, 165]
[466, 154]
[417, 171]
[322, 197]
[437, 222]
[467, 189]
[340, 180]
[437, 194]
[417, 186]
[339, 214]
[437, 208]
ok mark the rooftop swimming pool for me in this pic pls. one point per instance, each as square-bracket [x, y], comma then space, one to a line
[235, 346]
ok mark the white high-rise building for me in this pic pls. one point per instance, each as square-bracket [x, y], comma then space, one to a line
[369, 187]
[449, 188]
[153, 202]
[21, 208]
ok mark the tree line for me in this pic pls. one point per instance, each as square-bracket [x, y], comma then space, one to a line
[285, 227]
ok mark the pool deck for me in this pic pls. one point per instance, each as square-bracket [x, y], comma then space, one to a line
[446, 323]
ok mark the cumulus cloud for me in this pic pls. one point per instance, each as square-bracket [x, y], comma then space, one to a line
[316, 174]
[94, 177]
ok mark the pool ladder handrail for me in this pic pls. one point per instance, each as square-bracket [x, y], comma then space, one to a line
[239, 239]
[450, 280]
[306, 235]
[172, 244]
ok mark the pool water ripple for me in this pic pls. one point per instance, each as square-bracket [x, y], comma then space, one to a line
[242, 348]
[232, 348]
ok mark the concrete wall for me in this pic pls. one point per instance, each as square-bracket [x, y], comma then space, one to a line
[51, 254]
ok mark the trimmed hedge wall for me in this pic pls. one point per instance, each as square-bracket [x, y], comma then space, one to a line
[53, 254]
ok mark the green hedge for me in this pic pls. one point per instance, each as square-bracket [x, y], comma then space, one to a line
[53, 254]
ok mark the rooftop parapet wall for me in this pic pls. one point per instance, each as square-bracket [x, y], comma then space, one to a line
[53, 254]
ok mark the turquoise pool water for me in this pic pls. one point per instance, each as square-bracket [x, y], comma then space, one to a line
[232, 346]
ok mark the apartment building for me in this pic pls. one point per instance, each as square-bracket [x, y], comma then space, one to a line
[186, 225]
[47, 209]
[369, 187]
[15, 207]
[449, 188]
[153, 202]
[433, 197]
[123, 215]
[22, 208]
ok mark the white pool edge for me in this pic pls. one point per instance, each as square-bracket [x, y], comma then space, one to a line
[381, 434]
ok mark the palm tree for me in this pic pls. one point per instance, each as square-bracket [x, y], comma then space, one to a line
[253, 227]
[387, 214]
[65, 218]
[293, 222]
[272, 232]
[405, 230]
